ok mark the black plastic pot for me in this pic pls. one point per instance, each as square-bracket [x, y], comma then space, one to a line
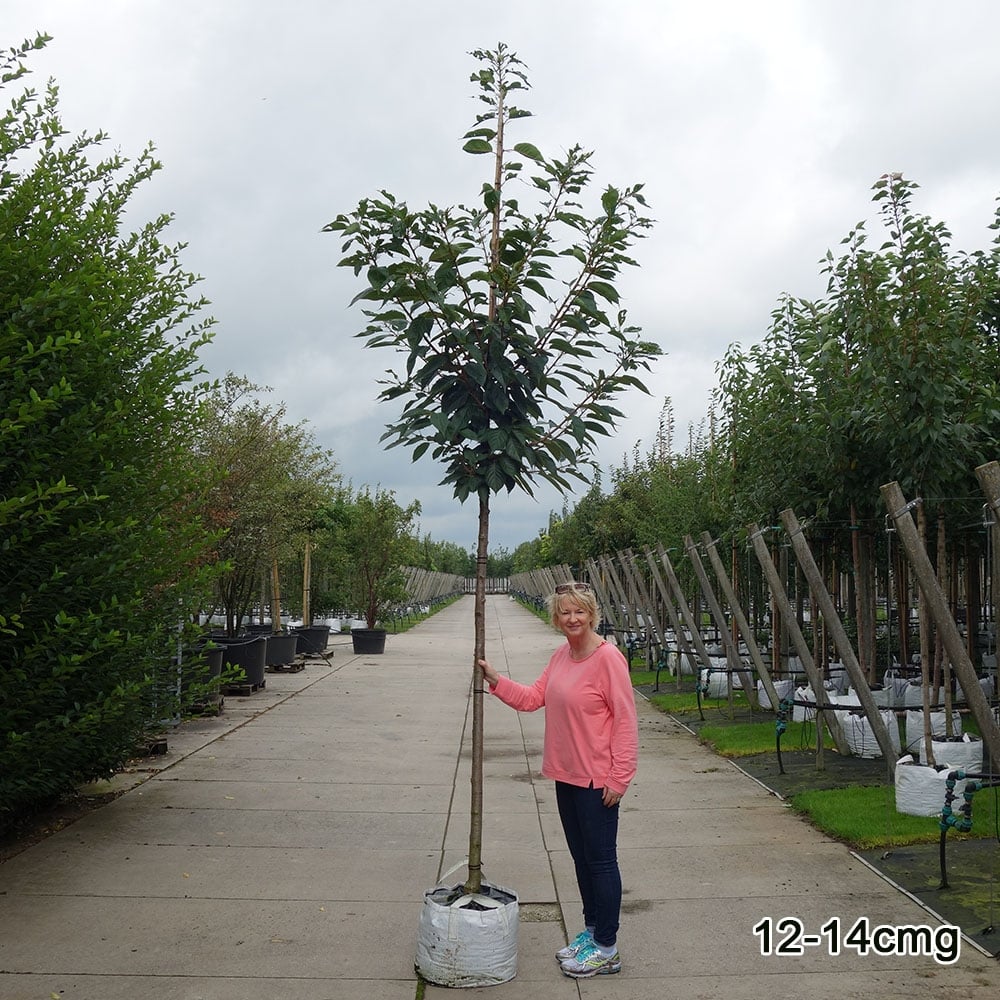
[313, 639]
[368, 640]
[280, 649]
[248, 655]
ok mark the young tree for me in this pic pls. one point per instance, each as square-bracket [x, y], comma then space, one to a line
[376, 537]
[509, 323]
[270, 477]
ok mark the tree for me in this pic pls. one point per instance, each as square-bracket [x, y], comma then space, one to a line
[890, 377]
[376, 539]
[269, 480]
[104, 546]
[502, 313]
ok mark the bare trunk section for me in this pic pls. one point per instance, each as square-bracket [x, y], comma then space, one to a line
[307, 583]
[475, 879]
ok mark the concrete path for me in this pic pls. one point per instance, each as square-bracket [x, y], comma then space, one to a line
[281, 852]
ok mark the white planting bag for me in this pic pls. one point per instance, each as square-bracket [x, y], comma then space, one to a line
[783, 689]
[716, 680]
[472, 941]
[802, 713]
[860, 736]
[965, 754]
[839, 677]
[915, 729]
[920, 790]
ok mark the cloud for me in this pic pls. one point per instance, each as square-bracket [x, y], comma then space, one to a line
[758, 130]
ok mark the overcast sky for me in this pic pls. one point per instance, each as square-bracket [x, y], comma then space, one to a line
[757, 128]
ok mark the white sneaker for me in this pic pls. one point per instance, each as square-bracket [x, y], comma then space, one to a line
[575, 946]
[590, 962]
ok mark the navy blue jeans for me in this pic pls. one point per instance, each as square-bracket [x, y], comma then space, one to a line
[591, 830]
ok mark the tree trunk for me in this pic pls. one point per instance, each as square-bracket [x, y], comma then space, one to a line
[475, 879]
[275, 596]
[925, 643]
[307, 583]
[864, 613]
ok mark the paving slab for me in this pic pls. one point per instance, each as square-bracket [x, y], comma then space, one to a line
[281, 850]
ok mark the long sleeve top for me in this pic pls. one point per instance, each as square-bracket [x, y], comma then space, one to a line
[591, 732]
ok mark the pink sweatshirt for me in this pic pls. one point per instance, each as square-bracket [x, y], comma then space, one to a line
[591, 732]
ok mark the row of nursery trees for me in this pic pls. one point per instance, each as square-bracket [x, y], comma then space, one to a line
[135, 493]
[892, 376]
[786, 625]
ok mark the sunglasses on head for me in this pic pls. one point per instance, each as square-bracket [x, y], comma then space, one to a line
[568, 588]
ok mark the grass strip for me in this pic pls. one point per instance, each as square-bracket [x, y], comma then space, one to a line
[740, 739]
[865, 817]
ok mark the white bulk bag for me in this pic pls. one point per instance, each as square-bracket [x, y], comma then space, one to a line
[783, 689]
[839, 677]
[717, 679]
[860, 736]
[963, 754]
[915, 729]
[920, 790]
[802, 713]
[472, 941]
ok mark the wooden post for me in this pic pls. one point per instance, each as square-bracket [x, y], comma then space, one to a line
[604, 601]
[899, 511]
[683, 647]
[307, 582]
[822, 596]
[644, 597]
[689, 620]
[733, 662]
[989, 481]
[616, 588]
[740, 618]
[780, 597]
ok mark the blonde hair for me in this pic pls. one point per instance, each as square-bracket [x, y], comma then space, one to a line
[581, 594]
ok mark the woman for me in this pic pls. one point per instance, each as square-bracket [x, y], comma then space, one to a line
[590, 751]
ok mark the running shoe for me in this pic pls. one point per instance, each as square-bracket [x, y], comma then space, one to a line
[575, 946]
[590, 962]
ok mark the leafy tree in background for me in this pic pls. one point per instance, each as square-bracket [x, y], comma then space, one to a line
[103, 544]
[374, 534]
[891, 377]
[444, 557]
[508, 318]
[269, 480]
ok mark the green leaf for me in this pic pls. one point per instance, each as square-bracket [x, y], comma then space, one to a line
[605, 290]
[528, 150]
[477, 146]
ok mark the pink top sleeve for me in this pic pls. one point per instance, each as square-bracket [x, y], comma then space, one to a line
[591, 732]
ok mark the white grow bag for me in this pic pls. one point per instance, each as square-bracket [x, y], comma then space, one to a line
[782, 688]
[920, 790]
[472, 941]
[860, 736]
[803, 713]
[963, 754]
[716, 680]
[915, 729]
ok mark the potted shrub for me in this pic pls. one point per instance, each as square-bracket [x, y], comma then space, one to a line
[377, 544]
